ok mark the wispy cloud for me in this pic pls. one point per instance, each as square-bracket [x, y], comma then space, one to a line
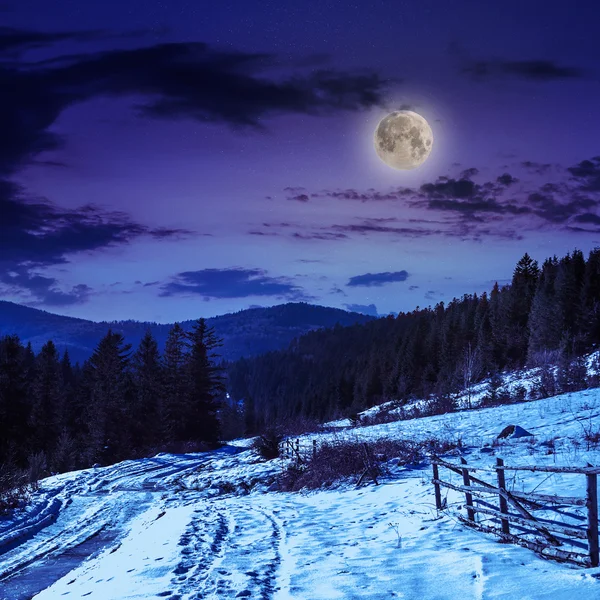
[35, 234]
[377, 279]
[232, 283]
[528, 70]
[365, 309]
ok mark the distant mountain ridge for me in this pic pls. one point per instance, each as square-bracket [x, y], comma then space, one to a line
[245, 333]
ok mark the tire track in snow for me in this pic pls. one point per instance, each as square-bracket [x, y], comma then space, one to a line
[77, 520]
[202, 552]
[230, 551]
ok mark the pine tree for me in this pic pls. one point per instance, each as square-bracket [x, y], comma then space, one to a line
[47, 417]
[569, 285]
[150, 427]
[544, 334]
[14, 401]
[589, 324]
[175, 383]
[109, 409]
[522, 291]
[206, 384]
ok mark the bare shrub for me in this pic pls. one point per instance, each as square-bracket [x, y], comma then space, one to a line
[343, 459]
[267, 444]
[356, 420]
[14, 488]
[226, 487]
[592, 438]
[37, 468]
[439, 446]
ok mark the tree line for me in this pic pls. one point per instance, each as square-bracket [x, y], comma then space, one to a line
[123, 403]
[547, 314]
[55, 416]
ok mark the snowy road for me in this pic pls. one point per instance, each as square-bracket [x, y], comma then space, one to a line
[187, 527]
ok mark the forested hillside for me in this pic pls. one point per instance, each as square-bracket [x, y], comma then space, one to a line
[131, 401]
[546, 315]
[244, 333]
[120, 404]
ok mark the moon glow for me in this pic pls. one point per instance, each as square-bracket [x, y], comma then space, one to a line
[403, 140]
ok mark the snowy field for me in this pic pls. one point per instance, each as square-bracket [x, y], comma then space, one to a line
[207, 526]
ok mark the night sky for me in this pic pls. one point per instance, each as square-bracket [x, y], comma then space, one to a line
[166, 160]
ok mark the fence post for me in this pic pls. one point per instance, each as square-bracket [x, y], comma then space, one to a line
[591, 502]
[314, 449]
[436, 486]
[468, 495]
[298, 461]
[503, 502]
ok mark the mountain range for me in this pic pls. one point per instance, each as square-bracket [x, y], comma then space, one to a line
[244, 333]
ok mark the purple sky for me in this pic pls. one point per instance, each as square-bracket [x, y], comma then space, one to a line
[170, 160]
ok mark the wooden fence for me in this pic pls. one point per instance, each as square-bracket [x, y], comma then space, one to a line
[550, 534]
[300, 453]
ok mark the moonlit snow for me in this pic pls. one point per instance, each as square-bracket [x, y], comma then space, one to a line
[206, 526]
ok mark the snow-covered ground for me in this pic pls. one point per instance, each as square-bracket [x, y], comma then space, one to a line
[207, 526]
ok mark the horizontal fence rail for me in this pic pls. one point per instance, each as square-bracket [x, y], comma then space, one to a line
[296, 451]
[517, 508]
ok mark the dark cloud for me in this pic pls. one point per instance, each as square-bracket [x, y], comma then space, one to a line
[371, 195]
[299, 198]
[320, 235]
[450, 188]
[432, 295]
[536, 167]
[506, 179]
[377, 279]
[297, 194]
[178, 80]
[50, 163]
[587, 174]
[468, 173]
[364, 309]
[557, 210]
[589, 218]
[467, 208]
[232, 283]
[36, 233]
[552, 203]
[16, 41]
[370, 227]
[530, 70]
[40, 290]
[468, 198]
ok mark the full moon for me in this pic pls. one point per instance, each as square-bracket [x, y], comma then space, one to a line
[403, 140]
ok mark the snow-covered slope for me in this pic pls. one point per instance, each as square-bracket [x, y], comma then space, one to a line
[206, 526]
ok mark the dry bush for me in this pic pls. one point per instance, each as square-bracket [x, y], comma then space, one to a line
[37, 468]
[438, 446]
[14, 488]
[591, 437]
[267, 444]
[343, 459]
